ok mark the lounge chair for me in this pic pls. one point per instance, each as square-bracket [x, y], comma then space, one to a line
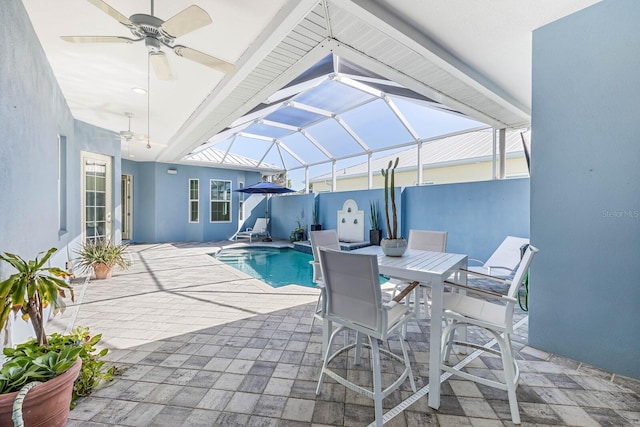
[258, 229]
[503, 260]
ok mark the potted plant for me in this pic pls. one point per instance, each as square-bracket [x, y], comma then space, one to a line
[29, 290]
[102, 255]
[297, 235]
[375, 233]
[391, 245]
[316, 215]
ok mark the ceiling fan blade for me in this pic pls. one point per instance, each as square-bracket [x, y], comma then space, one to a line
[186, 21]
[204, 59]
[96, 39]
[111, 12]
[161, 65]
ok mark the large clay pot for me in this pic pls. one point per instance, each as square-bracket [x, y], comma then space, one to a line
[46, 404]
[393, 247]
[102, 271]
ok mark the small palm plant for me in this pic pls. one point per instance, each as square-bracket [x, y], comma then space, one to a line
[102, 255]
[32, 289]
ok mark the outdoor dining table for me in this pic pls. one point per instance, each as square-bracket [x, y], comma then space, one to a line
[430, 269]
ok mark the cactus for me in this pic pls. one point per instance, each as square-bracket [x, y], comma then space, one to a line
[389, 175]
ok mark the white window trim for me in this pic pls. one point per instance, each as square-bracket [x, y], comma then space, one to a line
[228, 201]
[240, 201]
[197, 200]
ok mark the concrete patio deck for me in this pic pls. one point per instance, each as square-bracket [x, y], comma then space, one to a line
[206, 345]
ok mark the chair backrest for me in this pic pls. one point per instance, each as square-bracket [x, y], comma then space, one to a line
[507, 256]
[352, 289]
[518, 277]
[260, 225]
[424, 240]
[325, 239]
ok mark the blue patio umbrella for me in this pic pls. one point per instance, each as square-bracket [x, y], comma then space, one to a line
[266, 188]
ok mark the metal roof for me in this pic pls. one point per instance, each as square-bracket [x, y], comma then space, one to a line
[463, 148]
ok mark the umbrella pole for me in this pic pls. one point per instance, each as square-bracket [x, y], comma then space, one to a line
[266, 214]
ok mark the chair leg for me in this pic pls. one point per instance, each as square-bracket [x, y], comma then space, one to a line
[327, 355]
[315, 311]
[448, 335]
[377, 380]
[511, 380]
[407, 364]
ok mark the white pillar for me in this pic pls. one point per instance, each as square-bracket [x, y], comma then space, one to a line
[502, 141]
[306, 179]
[333, 176]
[494, 154]
[419, 154]
[369, 172]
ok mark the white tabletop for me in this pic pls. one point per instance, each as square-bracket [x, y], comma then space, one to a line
[423, 266]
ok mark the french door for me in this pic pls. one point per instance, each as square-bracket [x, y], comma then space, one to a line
[96, 196]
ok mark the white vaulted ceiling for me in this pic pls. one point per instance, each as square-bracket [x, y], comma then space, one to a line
[474, 56]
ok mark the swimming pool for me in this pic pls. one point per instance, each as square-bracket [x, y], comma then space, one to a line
[277, 267]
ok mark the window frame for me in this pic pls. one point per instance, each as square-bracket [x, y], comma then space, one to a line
[192, 200]
[227, 201]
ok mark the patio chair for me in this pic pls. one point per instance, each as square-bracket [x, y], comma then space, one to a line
[424, 240]
[494, 316]
[503, 260]
[325, 239]
[258, 229]
[354, 302]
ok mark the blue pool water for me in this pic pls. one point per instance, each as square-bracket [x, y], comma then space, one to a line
[277, 267]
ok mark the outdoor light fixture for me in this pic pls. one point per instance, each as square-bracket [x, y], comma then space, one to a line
[172, 171]
[139, 90]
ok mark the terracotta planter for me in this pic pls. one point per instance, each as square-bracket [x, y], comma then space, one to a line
[393, 247]
[46, 404]
[102, 271]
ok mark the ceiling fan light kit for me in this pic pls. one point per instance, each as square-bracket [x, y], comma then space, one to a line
[157, 33]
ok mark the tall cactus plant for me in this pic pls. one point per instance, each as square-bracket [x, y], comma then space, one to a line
[389, 175]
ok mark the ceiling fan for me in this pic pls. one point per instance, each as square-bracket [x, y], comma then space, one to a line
[157, 33]
[128, 136]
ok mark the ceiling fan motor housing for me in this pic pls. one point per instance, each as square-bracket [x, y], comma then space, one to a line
[148, 27]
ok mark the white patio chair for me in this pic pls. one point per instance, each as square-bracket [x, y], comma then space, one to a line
[325, 239]
[258, 229]
[503, 260]
[354, 301]
[469, 309]
[424, 240]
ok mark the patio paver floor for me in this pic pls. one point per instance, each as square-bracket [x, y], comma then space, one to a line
[204, 344]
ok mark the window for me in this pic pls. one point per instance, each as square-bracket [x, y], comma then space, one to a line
[220, 201]
[240, 202]
[194, 201]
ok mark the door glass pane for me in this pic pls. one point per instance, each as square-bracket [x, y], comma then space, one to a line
[100, 214]
[100, 199]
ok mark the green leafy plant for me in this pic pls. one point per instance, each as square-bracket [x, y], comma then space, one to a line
[390, 191]
[375, 215]
[316, 210]
[31, 289]
[103, 251]
[31, 361]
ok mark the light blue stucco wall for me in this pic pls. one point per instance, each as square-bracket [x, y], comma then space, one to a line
[33, 113]
[585, 187]
[476, 215]
[161, 202]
